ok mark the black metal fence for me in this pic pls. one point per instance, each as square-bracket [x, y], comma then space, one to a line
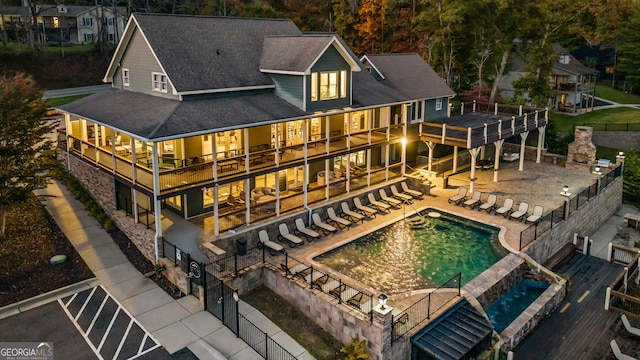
[612, 126]
[548, 221]
[175, 254]
[260, 341]
[233, 263]
[422, 309]
[353, 296]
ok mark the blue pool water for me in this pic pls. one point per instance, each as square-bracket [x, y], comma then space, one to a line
[514, 302]
[399, 257]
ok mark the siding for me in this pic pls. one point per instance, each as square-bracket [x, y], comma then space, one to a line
[331, 60]
[195, 204]
[430, 111]
[289, 87]
[141, 63]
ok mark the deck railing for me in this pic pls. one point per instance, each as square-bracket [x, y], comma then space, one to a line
[422, 309]
[617, 297]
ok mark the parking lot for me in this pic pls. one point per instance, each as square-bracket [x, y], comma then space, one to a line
[87, 325]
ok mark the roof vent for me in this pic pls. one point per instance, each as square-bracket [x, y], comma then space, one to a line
[62, 9]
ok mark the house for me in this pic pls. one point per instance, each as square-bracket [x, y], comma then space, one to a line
[240, 120]
[70, 23]
[573, 83]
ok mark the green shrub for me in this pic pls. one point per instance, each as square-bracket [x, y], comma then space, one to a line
[356, 350]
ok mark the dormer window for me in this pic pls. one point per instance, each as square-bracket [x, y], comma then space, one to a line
[159, 82]
[331, 85]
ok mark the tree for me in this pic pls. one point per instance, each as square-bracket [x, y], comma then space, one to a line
[371, 24]
[629, 48]
[23, 147]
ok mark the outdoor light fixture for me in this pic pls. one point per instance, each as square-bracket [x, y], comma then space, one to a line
[383, 301]
[621, 153]
[597, 171]
[403, 141]
[565, 190]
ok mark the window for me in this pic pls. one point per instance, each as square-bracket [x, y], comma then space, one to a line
[110, 22]
[314, 86]
[439, 104]
[159, 82]
[125, 77]
[329, 85]
[332, 85]
[88, 37]
[110, 37]
[87, 21]
[56, 22]
[343, 84]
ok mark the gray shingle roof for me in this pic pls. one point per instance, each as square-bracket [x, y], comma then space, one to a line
[152, 117]
[410, 75]
[292, 53]
[221, 52]
[574, 66]
[367, 91]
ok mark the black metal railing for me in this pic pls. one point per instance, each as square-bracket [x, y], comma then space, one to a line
[531, 233]
[612, 126]
[422, 309]
[234, 263]
[260, 341]
[176, 255]
[146, 217]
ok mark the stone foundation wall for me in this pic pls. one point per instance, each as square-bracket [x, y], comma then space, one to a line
[102, 187]
[495, 281]
[585, 221]
[342, 322]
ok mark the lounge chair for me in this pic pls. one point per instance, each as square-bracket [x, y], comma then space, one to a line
[400, 196]
[521, 212]
[319, 280]
[362, 209]
[379, 205]
[457, 199]
[290, 238]
[265, 241]
[389, 200]
[296, 270]
[618, 354]
[633, 330]
[474, 201]
[490, 204]
[301, 229]
[355, 299]
[322, 226]
[336, 220]
[414, 193]
[351, 215]
[506, 208]
[537, 214]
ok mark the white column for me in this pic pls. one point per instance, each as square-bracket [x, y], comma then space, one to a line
[455, 159]
[247, 200]
[472, 178]
[541, 131]
[326, 182]
[156, 192]
[496, 163]
[431, 145]
[523, 138]
[305, 169]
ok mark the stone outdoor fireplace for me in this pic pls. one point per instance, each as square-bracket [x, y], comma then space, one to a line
[582, 152]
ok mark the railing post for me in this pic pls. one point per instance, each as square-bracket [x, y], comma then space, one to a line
[235, 263]
[609, 252]
[203, 270]
[339, 294]
[520, 249]
[237, 317]
[266, 346]
[585, 244]
[311, 278]
[607, 298]
[429, 307]
[263, 254]
[286, 264]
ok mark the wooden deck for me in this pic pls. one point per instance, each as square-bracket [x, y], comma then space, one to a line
[580, 328]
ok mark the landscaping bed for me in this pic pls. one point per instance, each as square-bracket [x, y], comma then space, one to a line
[32, 237]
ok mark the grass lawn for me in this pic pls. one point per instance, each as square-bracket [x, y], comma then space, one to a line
[621, 116]
[31, 239]
[63, 100]
[615, 95]
[321, 344]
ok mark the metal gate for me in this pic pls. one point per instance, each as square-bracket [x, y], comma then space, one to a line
[222, 302]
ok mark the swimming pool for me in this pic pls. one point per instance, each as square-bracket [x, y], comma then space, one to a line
[510, 305]
[402, 257]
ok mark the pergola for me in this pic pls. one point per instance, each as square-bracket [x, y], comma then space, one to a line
[473, 131]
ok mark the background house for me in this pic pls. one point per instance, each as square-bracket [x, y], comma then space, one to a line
[573, 82]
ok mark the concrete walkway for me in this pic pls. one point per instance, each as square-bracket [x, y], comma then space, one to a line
[608, 231]
[174, 323]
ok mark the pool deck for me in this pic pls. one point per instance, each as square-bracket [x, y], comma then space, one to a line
[537, 184]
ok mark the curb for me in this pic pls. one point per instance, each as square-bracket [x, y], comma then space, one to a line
[39, 300]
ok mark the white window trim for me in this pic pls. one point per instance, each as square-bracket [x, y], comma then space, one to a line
[439, 104]
[125, 77]
[160, 82]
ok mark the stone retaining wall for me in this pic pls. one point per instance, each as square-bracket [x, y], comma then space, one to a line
[585, 221]
[102, 186]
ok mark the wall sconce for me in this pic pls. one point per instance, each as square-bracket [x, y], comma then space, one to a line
[383, 301]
